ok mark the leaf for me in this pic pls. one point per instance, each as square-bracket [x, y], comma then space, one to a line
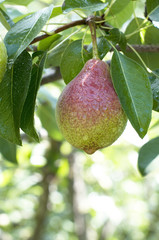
[117, 20]
[27, 118]
[155, 89]
[147, 36]
[147, 155]
[91, 5]
[72, 61]
[103, 47]
[151, 5]
[5, 20]
[116, 36]
[13, 91]
[122, 42]
[118, 6]
[18, 2]
[8, 150]
[45, 43]
[54, 57]
[24, 31]
[46, 113]
[133, 88]
[154, 15]
[132, 27]
[56, 11]
[156, 124]
[14, 13]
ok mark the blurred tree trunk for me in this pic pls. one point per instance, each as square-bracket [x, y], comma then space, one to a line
[77, 195]
[42, 207]
[48, 174]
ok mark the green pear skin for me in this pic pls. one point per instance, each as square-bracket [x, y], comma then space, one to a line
[3, 59]
[88, 111]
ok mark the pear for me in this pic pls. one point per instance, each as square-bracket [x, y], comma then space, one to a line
[3, 59]
[88, 111]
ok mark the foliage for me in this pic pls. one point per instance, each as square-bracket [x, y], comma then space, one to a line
[42, 37]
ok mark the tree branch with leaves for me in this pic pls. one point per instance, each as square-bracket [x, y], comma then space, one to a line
[69, 47]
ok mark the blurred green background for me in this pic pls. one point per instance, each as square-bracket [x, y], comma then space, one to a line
[56, 192]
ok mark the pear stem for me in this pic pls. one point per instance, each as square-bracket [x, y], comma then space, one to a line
[92, 27]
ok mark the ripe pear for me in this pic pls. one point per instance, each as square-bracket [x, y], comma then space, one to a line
[88, 111]
[3, 59]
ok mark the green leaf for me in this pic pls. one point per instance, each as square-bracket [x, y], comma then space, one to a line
[5, 20]
[117, 20]
[46, 113]
[8, 150]
[14, 13]
[18, 2]
[45, 43]
[91, 5]
[154, 15]
[54, 57]
[147, 36]
[73, 60]
[24, 31]
[116, 36]
[155, 89]
[103, 47]
[27, 118]
[118, 6]
[151, 5]
[133, 88]
[13, 91]
[56, 11]
[147, 155]
[122, 42]
[131, 28]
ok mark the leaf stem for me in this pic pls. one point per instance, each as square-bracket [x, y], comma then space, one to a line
[140, 29]
[65, 40]
[105, 27]
[113, 47]
[148, 70]
[80, 15]
[92, 27]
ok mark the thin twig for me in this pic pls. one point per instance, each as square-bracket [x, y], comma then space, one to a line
[60, 29]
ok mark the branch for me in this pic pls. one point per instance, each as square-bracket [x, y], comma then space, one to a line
[42, 208]
[60, 29]
[141, 48]
[84, 21]
[53, 76]
[77, 196]
[48, 175]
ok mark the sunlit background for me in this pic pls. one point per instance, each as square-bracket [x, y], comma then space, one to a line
[59, 193]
